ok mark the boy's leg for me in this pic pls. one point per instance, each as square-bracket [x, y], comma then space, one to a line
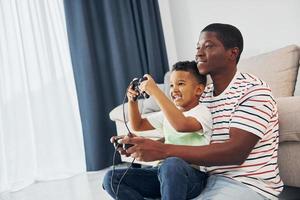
[223, 188]
[179, 180]
[136, 184]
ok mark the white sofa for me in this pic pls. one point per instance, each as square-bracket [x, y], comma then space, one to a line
[279, 68]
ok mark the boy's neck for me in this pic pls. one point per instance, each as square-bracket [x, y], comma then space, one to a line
[189, 107]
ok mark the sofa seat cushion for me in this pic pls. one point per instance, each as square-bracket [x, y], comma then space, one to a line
[277, 68]
[289, 118]
[289, 162]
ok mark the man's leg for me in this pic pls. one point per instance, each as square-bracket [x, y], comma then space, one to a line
[136, 184]
[222, 188]
[180, 181]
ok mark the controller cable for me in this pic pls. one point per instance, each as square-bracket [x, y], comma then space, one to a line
[114, 156]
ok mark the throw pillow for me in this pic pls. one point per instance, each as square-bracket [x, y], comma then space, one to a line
[297, 87]
[149, 105]
[277, 68]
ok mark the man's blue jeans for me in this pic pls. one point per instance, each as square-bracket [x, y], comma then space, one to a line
[173, 179]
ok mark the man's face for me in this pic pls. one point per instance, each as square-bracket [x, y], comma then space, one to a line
[211, 55]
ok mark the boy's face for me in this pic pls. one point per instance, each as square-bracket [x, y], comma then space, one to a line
[211, 56]
[185, 90]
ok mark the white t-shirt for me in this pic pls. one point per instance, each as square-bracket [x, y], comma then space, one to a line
[196, 138]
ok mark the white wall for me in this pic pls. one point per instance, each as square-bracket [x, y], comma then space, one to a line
[265, 24]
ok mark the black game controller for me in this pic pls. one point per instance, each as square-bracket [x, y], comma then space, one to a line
[135, 83]
[119, 145]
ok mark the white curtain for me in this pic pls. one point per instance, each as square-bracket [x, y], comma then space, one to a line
[40, 129]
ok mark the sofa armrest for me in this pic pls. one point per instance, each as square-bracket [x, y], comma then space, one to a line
[117, 113]
[289, 118]
[145, 106]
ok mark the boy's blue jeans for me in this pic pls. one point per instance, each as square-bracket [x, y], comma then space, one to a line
[173, 179]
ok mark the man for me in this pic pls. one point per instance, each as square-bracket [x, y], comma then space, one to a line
[242, 156]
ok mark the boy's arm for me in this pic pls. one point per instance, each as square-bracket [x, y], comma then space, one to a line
[175, 117]
[136, 121]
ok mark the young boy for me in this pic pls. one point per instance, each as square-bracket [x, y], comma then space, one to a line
[183, 122]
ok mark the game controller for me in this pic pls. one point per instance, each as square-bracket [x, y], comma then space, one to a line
[135, 83]
[119, 145]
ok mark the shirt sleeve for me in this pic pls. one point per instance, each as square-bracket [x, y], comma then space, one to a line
[156, 120]
[203, 116]
[255, 111]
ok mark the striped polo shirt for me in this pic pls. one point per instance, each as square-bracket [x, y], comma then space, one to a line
[247, 103]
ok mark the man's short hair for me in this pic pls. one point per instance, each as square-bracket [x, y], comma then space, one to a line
[229, 35]
[190, 66]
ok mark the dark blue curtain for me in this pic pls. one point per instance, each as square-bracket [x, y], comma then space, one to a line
[111, 42]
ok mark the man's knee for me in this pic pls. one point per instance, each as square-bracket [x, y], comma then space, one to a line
[174, 162]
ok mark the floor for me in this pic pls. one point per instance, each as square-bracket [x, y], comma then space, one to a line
[86, 186]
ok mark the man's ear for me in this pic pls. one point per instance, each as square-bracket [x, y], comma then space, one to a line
[234, 52]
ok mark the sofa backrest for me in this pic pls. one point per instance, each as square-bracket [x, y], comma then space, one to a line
[278, 68]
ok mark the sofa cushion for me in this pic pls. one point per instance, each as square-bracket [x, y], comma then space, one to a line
[117, 113]
[289, 162]
[167, 83]
[289, 118]
[278, 68]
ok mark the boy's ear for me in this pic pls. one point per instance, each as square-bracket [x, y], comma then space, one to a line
[199, 89]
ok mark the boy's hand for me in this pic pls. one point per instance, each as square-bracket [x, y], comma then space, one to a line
[149, 85]
[131, 94]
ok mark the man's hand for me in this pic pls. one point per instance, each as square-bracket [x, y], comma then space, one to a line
[118, 139]
[145, 149]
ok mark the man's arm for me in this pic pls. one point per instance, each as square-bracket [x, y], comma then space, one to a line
[232, 152]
